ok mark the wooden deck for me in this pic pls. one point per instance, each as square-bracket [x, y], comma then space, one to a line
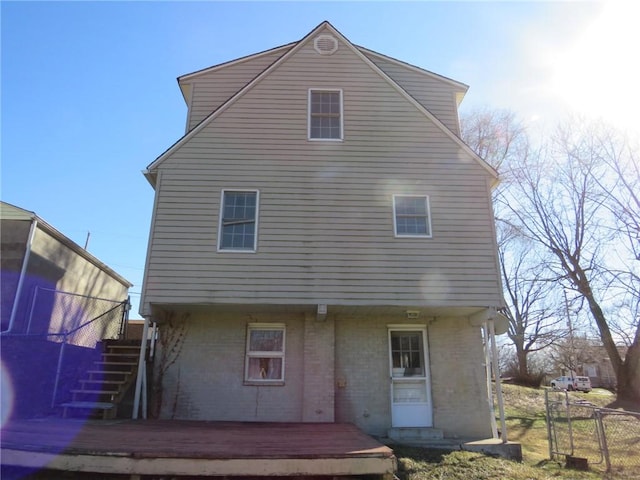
[184, 448]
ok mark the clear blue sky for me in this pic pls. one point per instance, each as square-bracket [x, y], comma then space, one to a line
[90, 98]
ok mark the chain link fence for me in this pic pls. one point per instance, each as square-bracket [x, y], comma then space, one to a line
[603, 439]
[83, 319]
[63, 336]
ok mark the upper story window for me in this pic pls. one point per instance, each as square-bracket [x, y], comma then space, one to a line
[265, 353]
[238, 220]
[325, 114]
[411, 217]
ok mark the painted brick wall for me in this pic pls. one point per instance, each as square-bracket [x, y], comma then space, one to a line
[460, 405]
[318, 398]
[458, 385]
[362, 373]
[207, 381]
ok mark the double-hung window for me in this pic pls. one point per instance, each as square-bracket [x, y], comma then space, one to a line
[265, 353]
[325, 114]
[411, 217]
[238, 220]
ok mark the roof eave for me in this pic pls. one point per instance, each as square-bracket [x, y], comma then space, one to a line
[151, 177]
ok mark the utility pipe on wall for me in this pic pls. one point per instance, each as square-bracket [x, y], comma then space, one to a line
[23, 274]
[141, 370]
[496, 374]
[488, 362]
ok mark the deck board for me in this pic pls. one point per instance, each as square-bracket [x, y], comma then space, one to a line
[188, 447]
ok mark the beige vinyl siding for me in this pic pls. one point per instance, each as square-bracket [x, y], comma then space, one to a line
[77, 274]
[212, 89]
[326, 217]
[437, 96]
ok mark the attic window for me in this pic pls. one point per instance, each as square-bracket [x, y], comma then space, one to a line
[325, 115]
[325, 44]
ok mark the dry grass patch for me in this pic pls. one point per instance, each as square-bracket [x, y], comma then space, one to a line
[422, 464]
[526, 423]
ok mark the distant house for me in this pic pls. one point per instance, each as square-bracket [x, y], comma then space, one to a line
[597, 366]
[38, 261]
[58, 304]
[322, 246]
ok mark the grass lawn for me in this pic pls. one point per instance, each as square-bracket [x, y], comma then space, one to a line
[525, 416]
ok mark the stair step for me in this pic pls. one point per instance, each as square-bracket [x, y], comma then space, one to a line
[103, 382]
[109, 409]
[89, 405]
[102, 375]
[111, 372]
[97, 392]
[116, 363]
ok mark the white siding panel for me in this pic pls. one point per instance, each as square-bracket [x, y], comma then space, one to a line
[210, 90]
[437, 96]
[325, 213]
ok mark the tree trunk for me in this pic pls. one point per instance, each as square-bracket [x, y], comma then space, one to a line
[627, 371]
[628, 377]
[523, 368]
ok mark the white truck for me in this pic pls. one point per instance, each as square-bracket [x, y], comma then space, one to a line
[581, 384]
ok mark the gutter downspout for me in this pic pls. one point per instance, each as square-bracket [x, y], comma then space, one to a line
[488, 362]
[23, 273]
[142, 371]
[496, 374]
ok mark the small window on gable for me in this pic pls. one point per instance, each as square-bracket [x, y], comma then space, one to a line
[411, 217]
[325, 114]
[238, 220]
[265, 353]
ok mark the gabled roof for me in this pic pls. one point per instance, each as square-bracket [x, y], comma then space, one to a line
[324, 25]
[11, 212]
[461, 87]
[183, 79]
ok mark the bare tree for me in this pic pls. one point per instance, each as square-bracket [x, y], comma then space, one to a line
[557, 202]
[532, 308]
[499, 138]
[496, 135]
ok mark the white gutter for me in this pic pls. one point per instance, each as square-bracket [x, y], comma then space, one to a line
[487, 365]
[142, 371]
[23, 274]
[496, 374]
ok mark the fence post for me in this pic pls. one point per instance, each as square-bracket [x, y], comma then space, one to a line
[568, 404]
[58, 370]
[33, 306]
[603, 435]
[124, 318]
[546, 404]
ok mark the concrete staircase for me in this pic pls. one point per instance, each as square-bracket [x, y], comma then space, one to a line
[106, 382]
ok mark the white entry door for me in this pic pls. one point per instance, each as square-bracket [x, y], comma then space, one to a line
[410, 386]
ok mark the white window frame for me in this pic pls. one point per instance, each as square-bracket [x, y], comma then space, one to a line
[325, 90]
[429, 233]
[255, 236]
[265, 354]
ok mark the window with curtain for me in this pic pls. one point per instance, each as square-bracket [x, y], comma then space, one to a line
[265, 353]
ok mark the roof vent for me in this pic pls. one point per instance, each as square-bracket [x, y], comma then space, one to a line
[325, 44]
